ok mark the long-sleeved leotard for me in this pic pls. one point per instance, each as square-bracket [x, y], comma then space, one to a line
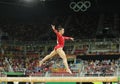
[60, 40]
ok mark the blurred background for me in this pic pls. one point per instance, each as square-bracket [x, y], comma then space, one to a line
[26, 37]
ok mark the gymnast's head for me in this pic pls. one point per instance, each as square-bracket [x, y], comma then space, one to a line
[61, 30]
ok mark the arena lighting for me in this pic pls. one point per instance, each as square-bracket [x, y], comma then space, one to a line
[107, 28]
[29, 1]
[32, 1]
[42, 0]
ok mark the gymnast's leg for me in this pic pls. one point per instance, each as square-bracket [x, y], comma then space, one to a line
[53, 53]
[63, 56]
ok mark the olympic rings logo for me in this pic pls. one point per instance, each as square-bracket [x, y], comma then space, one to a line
[83, 6]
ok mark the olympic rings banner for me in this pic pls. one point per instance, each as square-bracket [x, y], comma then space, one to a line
[80, 6]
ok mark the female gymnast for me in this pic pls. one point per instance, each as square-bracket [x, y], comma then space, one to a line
[58, 49]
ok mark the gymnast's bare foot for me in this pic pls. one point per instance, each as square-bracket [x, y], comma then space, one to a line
[69, 71]
[40, 63]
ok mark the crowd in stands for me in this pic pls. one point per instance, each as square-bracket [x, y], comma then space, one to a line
[81, 26]
[55, 67]
[26, 58]
[77, 26]
[100, 68]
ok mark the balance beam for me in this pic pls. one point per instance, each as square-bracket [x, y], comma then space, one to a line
[58, 79]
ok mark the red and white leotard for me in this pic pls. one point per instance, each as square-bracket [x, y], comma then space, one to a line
[60, 40]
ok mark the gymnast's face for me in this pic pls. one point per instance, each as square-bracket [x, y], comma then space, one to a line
[62, 31]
